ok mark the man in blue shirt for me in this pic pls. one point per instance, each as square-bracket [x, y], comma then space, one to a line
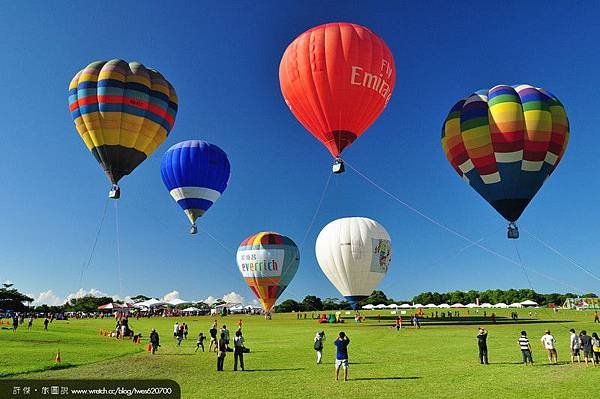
[341, 358]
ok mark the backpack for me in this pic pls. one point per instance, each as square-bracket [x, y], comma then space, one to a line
[318, 345]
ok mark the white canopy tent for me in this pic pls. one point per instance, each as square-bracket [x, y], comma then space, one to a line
[431, 305]
[501, 305]
[471, 305]
[417, 306]
[404, 306]
[444, 306]
[380, 306]
[368, 307]
[457, 305]
[190, 309]
[486, 305]
[515, 305]
[529, 303]
[150, 303]
[392, 306]
[178, 301]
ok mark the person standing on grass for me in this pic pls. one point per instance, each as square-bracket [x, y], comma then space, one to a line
[596, 317]
[574, 346]
[525, 348]
[398, 323]
[222, 345]
[596, 347]
[318, 345]
[179, 335]
[239, 325]
[200, 342]
[213, 338]
[185, 330]
[175, 330]
[225, 331]
[46, 321]
[549, 343]
[586, 345]
[482, 345]
[15, 323]
[341, 357]
[154, 341]
[238, 350]
[30, 323]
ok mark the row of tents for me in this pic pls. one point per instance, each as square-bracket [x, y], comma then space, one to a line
[155, 303]
[501, 305]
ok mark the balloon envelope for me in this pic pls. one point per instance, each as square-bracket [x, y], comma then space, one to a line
[354, 253]
[268, 262]
[505, 142]
[196, 173]
[123, 112]
[337, 78]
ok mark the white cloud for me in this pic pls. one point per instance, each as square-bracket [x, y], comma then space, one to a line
[171, 295]
[47, 298]
[210, 300]
[255, 302]
[8, 282]
[233, 297]
[92, 292]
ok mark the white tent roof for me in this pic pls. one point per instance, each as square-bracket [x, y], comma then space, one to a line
[486, 305]
[529, 303]
[150, 303]
[380, 306]
[515, 305]
[417, 306]
[501, 305]
[236, 307]
[457, 305]
[368, 307]
[431, 305]
[443, 305]
[471, 305]
[191, 309]
[178, 301]
[404, 306]
[392, 306]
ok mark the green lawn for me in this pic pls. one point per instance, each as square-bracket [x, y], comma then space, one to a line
[437, 361]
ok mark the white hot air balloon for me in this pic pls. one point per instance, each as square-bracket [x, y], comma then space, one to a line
[354, 253]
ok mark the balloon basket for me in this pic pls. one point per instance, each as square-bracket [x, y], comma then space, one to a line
[115, 192]
[513, 231]
[338, 166]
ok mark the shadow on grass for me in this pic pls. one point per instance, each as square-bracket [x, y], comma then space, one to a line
[383, 378]
[269, 370]
[57, 366]
[472, 320]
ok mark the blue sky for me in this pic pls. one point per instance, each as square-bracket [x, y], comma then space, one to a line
[223, 59]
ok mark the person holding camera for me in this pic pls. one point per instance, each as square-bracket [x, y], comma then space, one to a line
[341, 357]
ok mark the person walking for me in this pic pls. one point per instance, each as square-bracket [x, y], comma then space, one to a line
[238, 350]
[179, 335]
[596, 347]
[596, 317]
[525, 347]
[341, 356]
[482, 344]
[46, 321]
[222, 344]
[398, 323]
[318, 345]
[30, 323]
[175, 330]
[574, 346]
[185, 331]
[213, 338]
[586, 346]
[549, 343]
[154, 341]
[15, 323]
[200, 342]
[239, 324]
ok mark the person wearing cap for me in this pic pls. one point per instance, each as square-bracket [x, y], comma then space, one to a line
[525, 348]
[318, 345]
[549, 343]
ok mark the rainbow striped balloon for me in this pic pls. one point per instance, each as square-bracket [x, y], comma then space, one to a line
[268, 262]
[123, 112]
[505, 142]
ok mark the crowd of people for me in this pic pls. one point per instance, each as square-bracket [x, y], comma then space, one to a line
[581, 346]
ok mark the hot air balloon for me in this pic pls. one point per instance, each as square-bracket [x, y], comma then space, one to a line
[337, 78]
[123, 112]
[505, 142]
[196, 173]
[354, 253]
[268, 261]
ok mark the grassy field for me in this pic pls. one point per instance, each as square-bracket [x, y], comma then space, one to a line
[437, 361]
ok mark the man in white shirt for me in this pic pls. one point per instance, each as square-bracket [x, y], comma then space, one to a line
[575, 347]
[175, 329]
[549, 344]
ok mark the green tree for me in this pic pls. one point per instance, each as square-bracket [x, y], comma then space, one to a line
[312, 303]
[331, 304]
[376, 298]
[87, 303]
[289, 305]
[11, 299]
[139, 298]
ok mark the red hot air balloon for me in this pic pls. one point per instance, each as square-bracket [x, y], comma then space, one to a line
[337, 78]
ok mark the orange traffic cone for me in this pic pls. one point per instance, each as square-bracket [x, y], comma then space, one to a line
[57, 359]
[105, 334]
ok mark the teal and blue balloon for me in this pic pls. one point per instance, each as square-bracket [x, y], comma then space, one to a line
[196, 173]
